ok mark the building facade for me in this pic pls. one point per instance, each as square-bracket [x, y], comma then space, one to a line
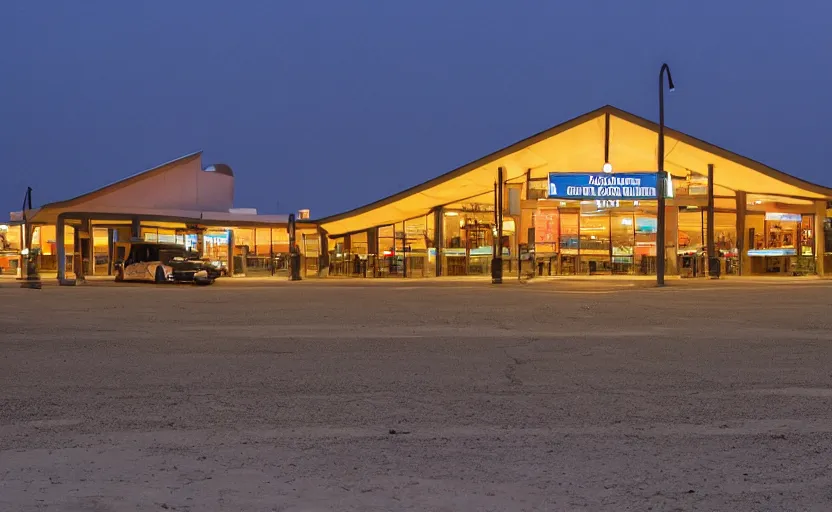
[562, 214]
[580, 198]
[178, 202]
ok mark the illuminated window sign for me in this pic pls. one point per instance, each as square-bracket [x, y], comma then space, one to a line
[784, 217]
[787, 251]
[601, 186]
[646, 225]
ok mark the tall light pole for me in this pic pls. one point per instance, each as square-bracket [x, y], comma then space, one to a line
[662, 180]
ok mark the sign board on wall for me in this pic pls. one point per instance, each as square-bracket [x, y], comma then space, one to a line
[784, 217]
[627, 186]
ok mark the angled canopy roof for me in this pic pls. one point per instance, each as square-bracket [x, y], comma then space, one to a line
[181, 185]
[578, 145]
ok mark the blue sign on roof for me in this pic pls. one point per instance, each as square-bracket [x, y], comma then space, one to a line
[627, 186]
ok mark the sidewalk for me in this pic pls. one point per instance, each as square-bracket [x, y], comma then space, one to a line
[50, 279]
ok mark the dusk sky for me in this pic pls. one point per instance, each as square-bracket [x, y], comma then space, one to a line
[332, 104]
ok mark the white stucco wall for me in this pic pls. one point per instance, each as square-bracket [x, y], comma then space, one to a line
[182, 187]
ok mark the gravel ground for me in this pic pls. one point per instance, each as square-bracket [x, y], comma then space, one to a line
[398, 396]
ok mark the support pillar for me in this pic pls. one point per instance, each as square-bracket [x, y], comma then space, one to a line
[323, 256]
[231, 253]
[78, 260]
[820, 236]
[87, 248]
[497, 261]
[671, 240]
[713, 262]
[438, 237]
[136, 228]
[110, 243]
[742, 237]
[200, 242]
[60, 243]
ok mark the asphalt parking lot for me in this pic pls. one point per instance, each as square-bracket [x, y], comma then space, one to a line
[417, 396]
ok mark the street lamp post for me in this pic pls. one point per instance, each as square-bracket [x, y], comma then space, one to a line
[662, 181]
[32, 279]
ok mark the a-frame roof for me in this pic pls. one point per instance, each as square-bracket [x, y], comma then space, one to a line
[579, 145]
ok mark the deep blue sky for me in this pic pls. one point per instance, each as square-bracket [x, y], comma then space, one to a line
[332, 104]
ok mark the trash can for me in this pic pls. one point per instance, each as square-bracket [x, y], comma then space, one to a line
[714, 268]
[688, 266]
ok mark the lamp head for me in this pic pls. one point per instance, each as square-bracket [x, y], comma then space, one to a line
[670, 85]
[607, 168]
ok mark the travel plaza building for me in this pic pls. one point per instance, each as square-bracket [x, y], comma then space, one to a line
[561, 214]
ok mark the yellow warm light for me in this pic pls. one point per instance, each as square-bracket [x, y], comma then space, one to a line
[578, 145]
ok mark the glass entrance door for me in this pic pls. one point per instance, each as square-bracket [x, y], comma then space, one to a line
[595, 253]
[622, 235]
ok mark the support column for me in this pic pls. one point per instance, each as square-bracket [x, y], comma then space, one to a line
[671, 240]
[661, 217]
[136, 228]
[438, 237]
[820, 236]
[711, 243]
[110, 243]
[230, 252]
[88, 247]
[61, 248]
[742, 236]
[404, 247]
[497, 261]
[323, 257]
[200, 242]
[77, 260]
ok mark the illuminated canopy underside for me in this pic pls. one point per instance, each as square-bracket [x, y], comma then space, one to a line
[578, 145]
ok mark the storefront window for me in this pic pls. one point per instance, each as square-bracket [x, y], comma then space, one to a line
[755, 224]
[10, 238]
[359, 244]
[725, 233]
[453, 248]
[569, 230]
[807, 236]
[310, 249]
[416, 233]
[45, 242]
[469, 238]
[168, 236]
[546, 231]
[244, 237]
[778, 245]
[691, 233]
[101, 250]
[622, 231]
[258, 250]
[263, 241]
[10, 246]
[338, 258]
[215, 245]
[595, 241]
[646, 230]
